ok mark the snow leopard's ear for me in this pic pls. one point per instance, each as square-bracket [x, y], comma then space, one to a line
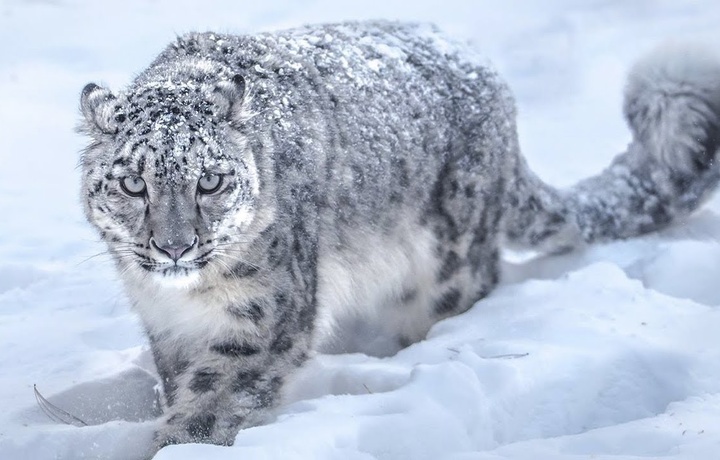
[99, 107]
[229, 97]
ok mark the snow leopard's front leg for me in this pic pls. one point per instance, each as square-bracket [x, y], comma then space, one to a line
[229, 383]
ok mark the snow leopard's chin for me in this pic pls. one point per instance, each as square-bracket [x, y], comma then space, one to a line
[177, 277]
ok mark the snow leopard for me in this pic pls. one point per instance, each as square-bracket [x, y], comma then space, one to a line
[261, 192]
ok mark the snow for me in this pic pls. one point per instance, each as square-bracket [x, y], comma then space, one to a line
[607, 353]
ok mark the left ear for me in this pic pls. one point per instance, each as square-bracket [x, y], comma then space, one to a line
[98, 107]
[228, 95]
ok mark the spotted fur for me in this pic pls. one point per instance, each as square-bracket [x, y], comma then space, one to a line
[368, 173]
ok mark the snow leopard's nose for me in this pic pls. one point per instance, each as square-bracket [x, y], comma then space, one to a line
[173, 249]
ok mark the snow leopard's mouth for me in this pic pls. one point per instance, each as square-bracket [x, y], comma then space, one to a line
[177, 277]
[175, 269]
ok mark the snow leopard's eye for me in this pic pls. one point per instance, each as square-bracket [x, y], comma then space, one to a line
[133, 185]
[209, 183]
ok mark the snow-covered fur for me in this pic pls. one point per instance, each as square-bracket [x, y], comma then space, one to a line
[264, 195]
[672, 105]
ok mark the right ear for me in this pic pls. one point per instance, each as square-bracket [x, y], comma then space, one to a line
[98, 106]
[228, 96]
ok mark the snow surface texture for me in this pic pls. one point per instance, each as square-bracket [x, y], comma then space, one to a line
[612, 353]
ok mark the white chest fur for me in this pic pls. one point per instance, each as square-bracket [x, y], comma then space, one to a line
[186, 314]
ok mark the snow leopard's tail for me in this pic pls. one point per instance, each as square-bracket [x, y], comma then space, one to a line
[672, 104]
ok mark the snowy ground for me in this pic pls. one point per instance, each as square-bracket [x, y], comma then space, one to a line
[613, 353]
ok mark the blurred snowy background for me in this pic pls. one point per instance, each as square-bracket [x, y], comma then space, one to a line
[612, 353]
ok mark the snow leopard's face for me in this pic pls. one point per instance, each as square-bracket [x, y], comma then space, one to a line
[168, 181]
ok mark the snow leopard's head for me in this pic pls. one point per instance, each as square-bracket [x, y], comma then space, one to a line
[168, 179]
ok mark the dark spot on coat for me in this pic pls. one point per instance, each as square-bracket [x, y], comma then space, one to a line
[242, 270]
[277, 253]
[267, 396]
[246, 380]
[404, 341]
[281, 344]
[121, 162]
[408, 295]
[253, 311]
[203, 381]
[447, 303]
[200, 426]
[235, 349]
[450, 265]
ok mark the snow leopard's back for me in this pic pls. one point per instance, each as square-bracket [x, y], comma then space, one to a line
[373, 111]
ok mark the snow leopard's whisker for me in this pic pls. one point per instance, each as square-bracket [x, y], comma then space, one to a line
[230, 252]
[233, 243]
[226, 266]
[229, 269]
[236, 258]
[104, 253]
[99, 254]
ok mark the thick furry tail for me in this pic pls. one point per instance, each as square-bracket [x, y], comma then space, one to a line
[672, 104]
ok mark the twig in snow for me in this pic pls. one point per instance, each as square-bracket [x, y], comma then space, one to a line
[508, 356]
[55, 413]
